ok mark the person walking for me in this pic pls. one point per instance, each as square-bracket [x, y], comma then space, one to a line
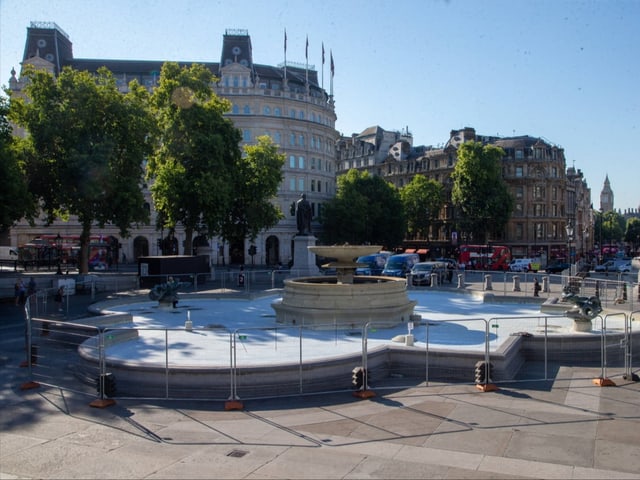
[58, 298]
[19, 292]
[536, 287]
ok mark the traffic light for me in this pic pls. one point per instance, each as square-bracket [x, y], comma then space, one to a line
[359, 377]
[483, 372]
[107, 382]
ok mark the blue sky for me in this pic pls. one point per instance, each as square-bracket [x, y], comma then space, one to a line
[567, 71]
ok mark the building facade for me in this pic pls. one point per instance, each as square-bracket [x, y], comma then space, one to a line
[285, 102]
[548, 197]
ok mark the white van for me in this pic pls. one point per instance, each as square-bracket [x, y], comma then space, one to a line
[520, 265]
[9, 253]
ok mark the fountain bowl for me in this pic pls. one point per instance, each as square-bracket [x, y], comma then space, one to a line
[344, 254]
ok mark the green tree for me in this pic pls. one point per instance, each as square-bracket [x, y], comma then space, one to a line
[366, 209]
[86, 146]
[613, 227]
[632, 233]
[15, 198]
[197, 152]
[257, 176]
[422, 200]
[479, 191]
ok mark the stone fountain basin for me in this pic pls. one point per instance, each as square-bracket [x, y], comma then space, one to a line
[323, 302]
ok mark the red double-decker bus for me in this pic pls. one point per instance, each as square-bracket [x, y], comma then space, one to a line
[43, 250]
[485, 257]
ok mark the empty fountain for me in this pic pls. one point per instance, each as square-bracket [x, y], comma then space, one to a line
[344, 299]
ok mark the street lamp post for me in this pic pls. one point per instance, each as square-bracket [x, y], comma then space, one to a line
[570, 232]
[59, 249]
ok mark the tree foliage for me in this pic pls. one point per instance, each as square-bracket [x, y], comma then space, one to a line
[15, 199]
[257, 177]
[632, 233]
[611, 226]
[197, 152]
[366, 209]
[86, 146]
[422, 199]
[479, 191]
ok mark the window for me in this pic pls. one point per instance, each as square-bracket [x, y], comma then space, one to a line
[519, 154]
[235, 109]
[277, 138]
[277, 112]
[292, 113]
[519, 172]
[519, 192]
[266, 110]
[292, 184]
[301, 184]
[301, 141]
[313, 185]
[292, 161]
[292, 139]
[539, 192]
[301, 115]
[519, 231]
[247, 110]
[300, 162]
[246, 135]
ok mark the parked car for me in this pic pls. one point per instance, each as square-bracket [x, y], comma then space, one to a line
[624, 268]
[612, 265]
[401, 264]
[557, 267]
[375, 264]
[422, 271]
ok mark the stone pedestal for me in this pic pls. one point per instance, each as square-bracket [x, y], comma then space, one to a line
[582, 325]
[304, 261]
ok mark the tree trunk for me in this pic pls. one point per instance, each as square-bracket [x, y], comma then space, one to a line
[85, 238]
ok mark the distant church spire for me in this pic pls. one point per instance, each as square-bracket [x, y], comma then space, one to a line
[606, 196]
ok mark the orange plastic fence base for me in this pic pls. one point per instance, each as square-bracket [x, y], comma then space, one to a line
[364, 394]
[486, 387]
[29, 385]
[233, 405]
[102, 403]
[604, 382]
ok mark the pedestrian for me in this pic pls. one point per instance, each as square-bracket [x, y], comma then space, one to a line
[536, 287]
[241, 277]
[31, 288]
[19, 291]
[58, 298]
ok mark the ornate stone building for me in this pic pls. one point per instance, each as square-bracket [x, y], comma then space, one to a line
[285, 102]
[547, 195]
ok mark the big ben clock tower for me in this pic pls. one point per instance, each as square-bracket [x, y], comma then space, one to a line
[606, 196]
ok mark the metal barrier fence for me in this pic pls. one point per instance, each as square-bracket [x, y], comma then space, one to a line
[91, 358]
